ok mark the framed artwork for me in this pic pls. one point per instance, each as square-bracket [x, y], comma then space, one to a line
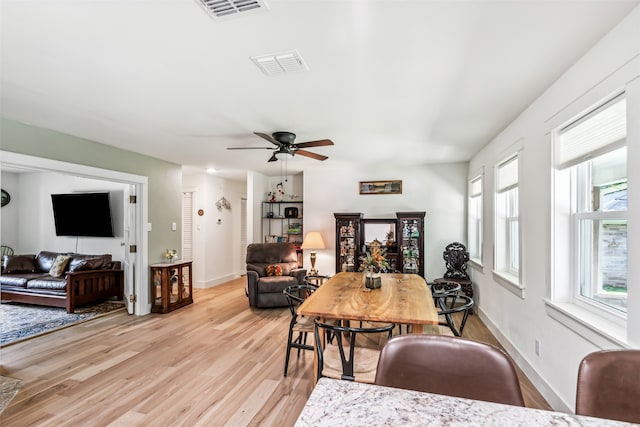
[381, 187]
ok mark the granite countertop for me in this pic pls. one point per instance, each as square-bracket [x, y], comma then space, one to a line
[346, 403]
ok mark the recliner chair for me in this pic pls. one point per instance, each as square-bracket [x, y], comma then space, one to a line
[265, 290]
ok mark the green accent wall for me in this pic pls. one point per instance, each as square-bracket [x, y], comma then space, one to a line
[164, 178]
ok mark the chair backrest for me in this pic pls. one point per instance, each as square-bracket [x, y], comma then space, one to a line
[6, 250]
[456, 258]
[458, 304]
[346, 341]
[609, 385]
[296, 295]
[451, 366]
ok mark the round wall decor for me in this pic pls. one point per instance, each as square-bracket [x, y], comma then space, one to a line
[6, 198]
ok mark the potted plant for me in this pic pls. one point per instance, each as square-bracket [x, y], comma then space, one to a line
[373, 264]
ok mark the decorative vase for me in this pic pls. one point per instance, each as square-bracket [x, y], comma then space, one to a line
[372, 280]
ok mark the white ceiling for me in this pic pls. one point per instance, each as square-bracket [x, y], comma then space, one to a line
[392, 82]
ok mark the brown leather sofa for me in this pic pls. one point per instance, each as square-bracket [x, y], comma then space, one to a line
[266, 291]
[87, 279]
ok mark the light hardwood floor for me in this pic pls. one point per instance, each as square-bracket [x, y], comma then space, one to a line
[212, 363]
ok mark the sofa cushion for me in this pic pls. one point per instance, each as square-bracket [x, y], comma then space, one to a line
[59, 266]
[50, 283]
[21, 279]
[13, 264]
[276, 283]
[13, 281]
[45, 260]
[89, 262]
[274, 270]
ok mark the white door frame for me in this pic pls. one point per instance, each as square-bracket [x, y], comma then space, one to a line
[141, 273]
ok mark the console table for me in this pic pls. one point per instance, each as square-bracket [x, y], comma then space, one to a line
[171, 286]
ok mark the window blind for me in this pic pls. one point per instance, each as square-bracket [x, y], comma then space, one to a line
[507, 175]
[475, 187]
[602, 130]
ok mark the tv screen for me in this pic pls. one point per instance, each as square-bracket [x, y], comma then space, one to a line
[82, 214]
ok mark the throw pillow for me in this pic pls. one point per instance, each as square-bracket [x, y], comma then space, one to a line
[18, 264]
[59, 265]
[83, 264]
[274, 270]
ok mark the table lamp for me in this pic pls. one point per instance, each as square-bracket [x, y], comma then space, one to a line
[312, 241]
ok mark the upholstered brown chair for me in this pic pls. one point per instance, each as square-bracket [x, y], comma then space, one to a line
[271, 268]
[451, 366]
[609, 385]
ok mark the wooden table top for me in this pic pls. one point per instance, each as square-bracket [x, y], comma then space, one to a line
[403, 298]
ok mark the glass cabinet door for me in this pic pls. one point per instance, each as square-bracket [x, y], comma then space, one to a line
[411, 242]
[347, 241]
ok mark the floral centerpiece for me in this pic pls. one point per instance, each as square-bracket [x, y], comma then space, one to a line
[170, 254]
[373, 264]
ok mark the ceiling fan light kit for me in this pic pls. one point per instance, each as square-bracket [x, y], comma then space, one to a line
[285, 146]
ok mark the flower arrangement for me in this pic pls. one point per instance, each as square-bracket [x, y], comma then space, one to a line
[170, 254]
[375, 261]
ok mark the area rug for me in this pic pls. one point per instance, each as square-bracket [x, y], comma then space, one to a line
[8, 389]
[23, 321]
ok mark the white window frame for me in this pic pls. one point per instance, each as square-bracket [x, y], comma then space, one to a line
[507, 189]
[475, 219]
[598, 323]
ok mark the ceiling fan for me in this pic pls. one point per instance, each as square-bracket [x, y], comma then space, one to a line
[284, 145]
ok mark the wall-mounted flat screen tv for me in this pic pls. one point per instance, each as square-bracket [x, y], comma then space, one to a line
[82, 214]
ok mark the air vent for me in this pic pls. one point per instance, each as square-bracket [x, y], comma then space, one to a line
[281, 63]
[223, 9]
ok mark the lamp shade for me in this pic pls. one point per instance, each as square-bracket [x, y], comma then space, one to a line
[313, 240]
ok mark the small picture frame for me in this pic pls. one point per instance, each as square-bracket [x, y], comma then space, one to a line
[381, 187]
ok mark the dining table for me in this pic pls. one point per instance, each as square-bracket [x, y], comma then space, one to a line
[403, 299]
[348, 403]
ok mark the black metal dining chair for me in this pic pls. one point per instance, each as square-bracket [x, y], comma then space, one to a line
[299, 325]
[450, 301]
[346, 357]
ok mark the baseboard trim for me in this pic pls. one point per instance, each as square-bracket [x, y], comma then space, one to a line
[543, 387]
[200, 284]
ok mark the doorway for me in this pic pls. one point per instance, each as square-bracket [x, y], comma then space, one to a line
[135, 263]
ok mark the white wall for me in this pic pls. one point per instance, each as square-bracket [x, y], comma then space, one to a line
[440, 190]
[216, 233]
[518, 322]
[34, 223]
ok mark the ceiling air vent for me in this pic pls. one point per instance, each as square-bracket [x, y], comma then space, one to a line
[281, 63]
[222, 9]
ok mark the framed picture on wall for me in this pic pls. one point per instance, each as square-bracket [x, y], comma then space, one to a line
[381, 187]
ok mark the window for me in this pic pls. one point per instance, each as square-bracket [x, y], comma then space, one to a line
[507, 229]
[591, 163]
[475, 219]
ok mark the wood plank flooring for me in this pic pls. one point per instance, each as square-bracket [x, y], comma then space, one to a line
[216, 362]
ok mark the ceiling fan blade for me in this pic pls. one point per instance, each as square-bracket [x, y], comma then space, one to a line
[273, 158]
[268, 138]
[250, 148]
[312, 155]
[318, 143]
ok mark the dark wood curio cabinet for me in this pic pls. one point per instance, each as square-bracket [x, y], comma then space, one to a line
[403, 238]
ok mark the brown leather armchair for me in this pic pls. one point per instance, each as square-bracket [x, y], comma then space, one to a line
[266, 291]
